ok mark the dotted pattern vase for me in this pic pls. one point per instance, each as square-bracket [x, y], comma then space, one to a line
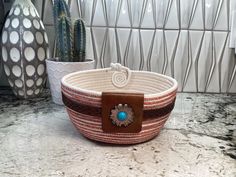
[24, 50]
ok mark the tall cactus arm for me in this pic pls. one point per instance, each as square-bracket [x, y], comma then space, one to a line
[64, 39]
[60, 8]
[63, 29]
[79, 41]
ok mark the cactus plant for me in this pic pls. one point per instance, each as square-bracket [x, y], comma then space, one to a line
[60, 8]
[79, 40]
[70, 48]
[64, 41]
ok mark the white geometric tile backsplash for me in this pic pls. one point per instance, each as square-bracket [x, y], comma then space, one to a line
[185, 39]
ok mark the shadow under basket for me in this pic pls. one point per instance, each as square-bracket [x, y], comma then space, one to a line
[117, 105]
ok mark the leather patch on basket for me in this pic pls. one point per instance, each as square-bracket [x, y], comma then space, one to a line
[122, 112]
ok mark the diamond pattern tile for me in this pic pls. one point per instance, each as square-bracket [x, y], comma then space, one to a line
[185, 39]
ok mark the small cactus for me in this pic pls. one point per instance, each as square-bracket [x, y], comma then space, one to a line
[79, 40]
[69, 47]
[60, 8]
[64, 39]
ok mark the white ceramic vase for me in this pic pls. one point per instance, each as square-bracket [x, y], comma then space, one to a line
[57, 70]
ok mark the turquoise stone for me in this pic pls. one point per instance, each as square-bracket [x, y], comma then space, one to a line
[121, 116]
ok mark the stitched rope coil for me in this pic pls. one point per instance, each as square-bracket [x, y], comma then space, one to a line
[82, 96]
[121, 76]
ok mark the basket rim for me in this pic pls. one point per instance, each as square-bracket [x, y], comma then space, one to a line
[99, 94]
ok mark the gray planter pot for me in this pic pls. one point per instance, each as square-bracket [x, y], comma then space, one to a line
[24, 50]
[57, 70]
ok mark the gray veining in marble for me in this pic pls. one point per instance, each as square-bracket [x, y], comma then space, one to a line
[37, 139]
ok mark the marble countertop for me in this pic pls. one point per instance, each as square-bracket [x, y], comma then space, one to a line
[37, 139]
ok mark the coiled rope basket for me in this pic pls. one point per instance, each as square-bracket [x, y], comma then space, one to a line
[117, 105]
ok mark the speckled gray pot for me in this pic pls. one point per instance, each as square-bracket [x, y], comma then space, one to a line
[24, 49]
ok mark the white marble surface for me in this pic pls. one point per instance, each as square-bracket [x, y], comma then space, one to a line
[38, 140]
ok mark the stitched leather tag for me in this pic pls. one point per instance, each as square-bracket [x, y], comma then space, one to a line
[122, 112]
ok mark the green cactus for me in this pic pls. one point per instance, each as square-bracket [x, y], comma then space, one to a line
[64, 39]
[79, 40]
[63, 29]
[69, 47]
[60, 8]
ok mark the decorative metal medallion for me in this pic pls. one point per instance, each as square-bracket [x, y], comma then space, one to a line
[122, 112]
[122, 115]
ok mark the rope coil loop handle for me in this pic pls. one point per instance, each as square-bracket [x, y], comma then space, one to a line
[121, 75]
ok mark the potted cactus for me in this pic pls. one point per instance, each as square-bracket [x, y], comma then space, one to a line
[70, 49]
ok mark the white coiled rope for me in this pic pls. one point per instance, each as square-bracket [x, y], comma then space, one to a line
[121, 76]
